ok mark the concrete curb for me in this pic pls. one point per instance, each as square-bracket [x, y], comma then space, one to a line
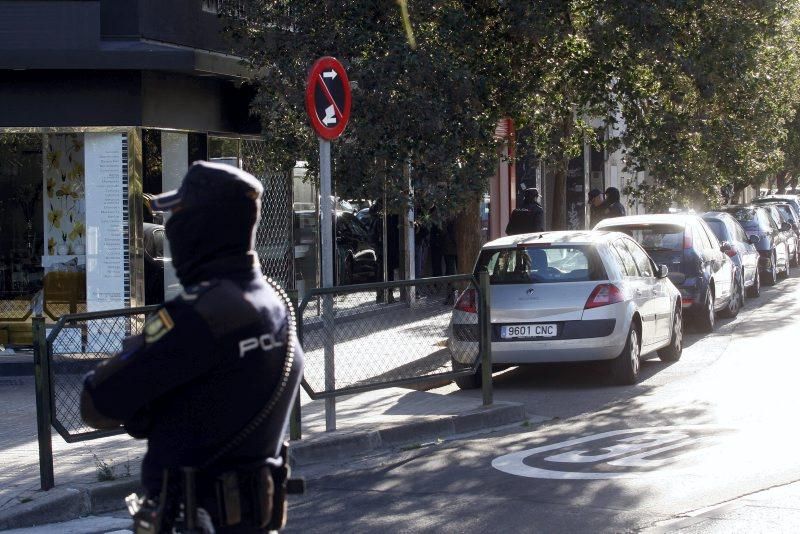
[64, 504]
[339, 445]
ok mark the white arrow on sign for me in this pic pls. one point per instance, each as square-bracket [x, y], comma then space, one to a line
[329, 74]
[330, 116]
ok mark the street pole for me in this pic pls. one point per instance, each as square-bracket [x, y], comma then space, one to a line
[327, 223]
[41, 361]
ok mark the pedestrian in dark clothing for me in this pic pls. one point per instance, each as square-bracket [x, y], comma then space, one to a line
[212, 378]
[529, 217]
[595, 207]
[612, 207]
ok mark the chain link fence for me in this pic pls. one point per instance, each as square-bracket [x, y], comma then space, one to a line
[274, 237]
[16, 305]
[76, 344]
[372, 336]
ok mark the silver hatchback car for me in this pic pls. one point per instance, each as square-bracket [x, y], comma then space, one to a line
[569, 297]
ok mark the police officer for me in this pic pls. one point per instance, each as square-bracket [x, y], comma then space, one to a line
[211, 380]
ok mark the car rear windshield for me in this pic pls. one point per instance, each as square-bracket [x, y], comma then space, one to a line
[653, 237]
[748, 219]
[542, 264]
[718, 227]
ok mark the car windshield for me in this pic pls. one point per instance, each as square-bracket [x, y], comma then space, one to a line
[542, 264]
[653, 237]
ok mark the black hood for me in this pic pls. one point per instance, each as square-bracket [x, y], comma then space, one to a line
[201, 239]
[612, 195]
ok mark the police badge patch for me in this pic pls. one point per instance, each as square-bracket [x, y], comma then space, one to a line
[157, 326]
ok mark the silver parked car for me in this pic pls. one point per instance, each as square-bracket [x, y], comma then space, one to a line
[568, 297]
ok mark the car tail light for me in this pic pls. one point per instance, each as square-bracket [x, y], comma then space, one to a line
[731, 252]
[468, 301]
[603, 295]
[687, 240]
[686, 302]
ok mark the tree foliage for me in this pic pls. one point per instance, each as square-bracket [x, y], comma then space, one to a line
[700, 93]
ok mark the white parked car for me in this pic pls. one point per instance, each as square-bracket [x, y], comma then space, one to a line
[569, 297]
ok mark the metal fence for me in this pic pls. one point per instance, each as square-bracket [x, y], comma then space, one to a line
[62, 356]
[274, 236]
[371, 336]
[16, 305]
[356, 338]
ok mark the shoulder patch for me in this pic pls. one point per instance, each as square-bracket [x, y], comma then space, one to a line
[224, 309]
[157, 325]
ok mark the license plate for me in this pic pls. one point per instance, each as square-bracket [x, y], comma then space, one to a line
[528, 330]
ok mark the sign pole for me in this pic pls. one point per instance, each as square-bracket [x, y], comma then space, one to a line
[328, 107]
[326, 231]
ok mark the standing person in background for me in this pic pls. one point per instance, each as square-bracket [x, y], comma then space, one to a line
[529, 217]
[612, 207]
[595, 201]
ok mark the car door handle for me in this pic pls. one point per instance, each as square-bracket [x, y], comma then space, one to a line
[639, 292]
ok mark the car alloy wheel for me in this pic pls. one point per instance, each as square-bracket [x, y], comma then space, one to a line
[755, 288]
[735, 303]
[673, 351]
[707, 317]
[625, 367]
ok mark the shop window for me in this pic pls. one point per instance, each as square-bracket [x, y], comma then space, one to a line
[225, 150]
[21, 229]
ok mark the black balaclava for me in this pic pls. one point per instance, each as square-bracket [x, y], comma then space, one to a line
[200, 235]
[212, 226]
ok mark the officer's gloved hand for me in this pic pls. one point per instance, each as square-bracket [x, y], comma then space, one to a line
[139, 425]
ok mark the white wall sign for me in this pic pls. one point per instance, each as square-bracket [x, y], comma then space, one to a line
[107, 234]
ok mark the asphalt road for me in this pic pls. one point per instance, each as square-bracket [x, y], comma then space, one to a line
[718, 425]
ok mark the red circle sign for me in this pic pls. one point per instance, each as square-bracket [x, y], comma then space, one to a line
[328, 98]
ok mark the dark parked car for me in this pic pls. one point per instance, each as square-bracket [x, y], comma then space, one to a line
[739, 247]
[770, 242]
[789, 215]
[356, 261]
[786, 229]
[769, 199]
[697, 266]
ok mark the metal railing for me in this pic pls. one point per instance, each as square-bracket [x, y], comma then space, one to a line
[73, 347]
[356, 338]
[372, 336]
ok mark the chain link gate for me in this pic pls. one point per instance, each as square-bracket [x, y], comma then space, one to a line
[274, 237]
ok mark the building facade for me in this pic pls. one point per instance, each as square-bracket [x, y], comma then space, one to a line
[101, 103]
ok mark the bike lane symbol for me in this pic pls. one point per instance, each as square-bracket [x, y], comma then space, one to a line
[617, 454]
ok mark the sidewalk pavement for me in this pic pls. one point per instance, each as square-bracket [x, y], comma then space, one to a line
[92, 477]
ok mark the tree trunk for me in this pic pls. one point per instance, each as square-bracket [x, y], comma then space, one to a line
[558, 212]
[468, 236]
[781, 181]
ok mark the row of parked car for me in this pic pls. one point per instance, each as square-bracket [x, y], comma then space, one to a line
[624, 291]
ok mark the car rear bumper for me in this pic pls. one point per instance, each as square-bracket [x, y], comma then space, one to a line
[577, 341]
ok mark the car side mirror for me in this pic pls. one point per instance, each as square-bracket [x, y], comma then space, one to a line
[785, 227]
[663, 271]
[725, 247]
[754, 239]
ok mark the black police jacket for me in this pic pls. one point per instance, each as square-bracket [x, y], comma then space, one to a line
[206, 363]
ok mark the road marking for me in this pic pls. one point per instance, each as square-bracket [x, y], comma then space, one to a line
[617, 454]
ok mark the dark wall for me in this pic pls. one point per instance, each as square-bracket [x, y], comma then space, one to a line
[195, 103]
[70, 98]
[181, 22]
[36, 25]
[123, 98]
[120, 19]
